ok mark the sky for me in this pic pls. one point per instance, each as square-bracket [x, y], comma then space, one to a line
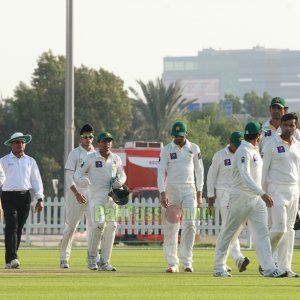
[131, 37]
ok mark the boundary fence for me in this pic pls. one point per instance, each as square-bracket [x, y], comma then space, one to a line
[139, 219]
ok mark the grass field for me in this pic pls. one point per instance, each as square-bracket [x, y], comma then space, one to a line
[140, 275]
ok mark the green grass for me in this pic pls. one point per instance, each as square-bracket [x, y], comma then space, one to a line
[140, 276]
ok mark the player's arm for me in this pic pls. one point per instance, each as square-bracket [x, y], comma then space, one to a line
[267, 154]
[80, 175]
[119, 179]
[212, 176]
[199, 175]
[161, 177]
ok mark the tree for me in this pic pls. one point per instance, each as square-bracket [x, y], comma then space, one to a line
[236, 103]
[100, 99]
[257, 106]
[158, 107]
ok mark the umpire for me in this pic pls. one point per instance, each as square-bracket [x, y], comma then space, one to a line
[22, 177]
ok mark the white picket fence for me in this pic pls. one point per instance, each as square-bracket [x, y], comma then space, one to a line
[138, 217]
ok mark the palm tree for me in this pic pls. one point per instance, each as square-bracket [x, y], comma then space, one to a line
[158, 108]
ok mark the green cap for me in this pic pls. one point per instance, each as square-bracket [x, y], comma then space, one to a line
[236, 138]
[279, 102]
[104, 135]
[253, 128]
[179, 129]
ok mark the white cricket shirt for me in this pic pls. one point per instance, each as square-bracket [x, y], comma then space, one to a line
[219, 175]
[180, 165]
[247, 170]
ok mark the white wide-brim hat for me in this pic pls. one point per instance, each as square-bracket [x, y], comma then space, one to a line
[18, 136]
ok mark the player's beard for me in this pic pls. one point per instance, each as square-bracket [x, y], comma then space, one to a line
[276, 116]
[179, 142]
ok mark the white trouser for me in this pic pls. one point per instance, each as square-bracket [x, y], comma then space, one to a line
[183, 195]
[73, 214]
[234, 247]
[283, 215]
[104, 224]
[222, 200]
[244, 207]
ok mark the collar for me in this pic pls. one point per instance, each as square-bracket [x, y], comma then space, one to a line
[108, 157]
[279, 139]
[227, 150]
[186, 145]
[249, 145]
[83, 149]
[11, 155]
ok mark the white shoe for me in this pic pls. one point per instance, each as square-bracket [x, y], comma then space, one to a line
[92, 263]
[228, 269]
[172, 269]
[292, 274]
[222, 274]
[188, 268]
[242, 263]
[106, 267]
[64, 264]
[260, 270]
[15, 264]
[7, 266]
[276, 274]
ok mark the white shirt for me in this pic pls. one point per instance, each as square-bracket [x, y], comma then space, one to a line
[269, 130]
[75, 159]
[281, 162]
[247, 170]
[22, 174]
[219, 175]
[2, 176]
[182, 165]
[98, 171]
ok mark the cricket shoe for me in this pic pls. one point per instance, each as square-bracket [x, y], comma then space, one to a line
[92, 263]
[261, 270]
[222, 274]
[292, 274]
[276, 274]
[7, 266]
[172, 269]
[188, 268]
[64, 264]
[228, 269]
[242, 263]
[106, 267]
[15, 264]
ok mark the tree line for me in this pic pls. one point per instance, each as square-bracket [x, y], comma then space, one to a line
[101, 99]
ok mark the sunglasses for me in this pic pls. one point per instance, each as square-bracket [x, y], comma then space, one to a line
[87, 136]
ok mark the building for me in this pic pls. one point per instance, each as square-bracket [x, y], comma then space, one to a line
[213, 73]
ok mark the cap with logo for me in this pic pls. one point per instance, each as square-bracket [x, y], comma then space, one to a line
[105, 136]
[279, 102]
[179, 129]
[236, 138]
[253, 128]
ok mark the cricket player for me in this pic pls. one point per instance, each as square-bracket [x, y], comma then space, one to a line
[247, 202]
[180, 182]
[219, 179]
[278, 108]
[281, 177]
[76, 202]
[101, 171]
